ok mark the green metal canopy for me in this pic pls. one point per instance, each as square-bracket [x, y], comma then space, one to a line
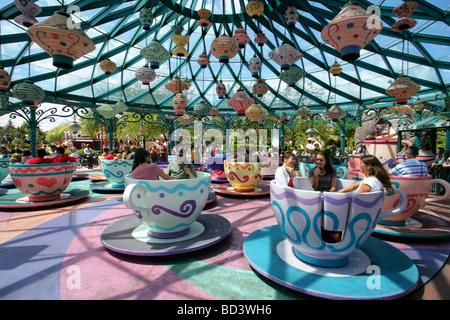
[429, 123]
[118, 35]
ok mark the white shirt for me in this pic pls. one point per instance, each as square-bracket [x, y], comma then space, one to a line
[282, 177]
[372, 182]
[87, 150]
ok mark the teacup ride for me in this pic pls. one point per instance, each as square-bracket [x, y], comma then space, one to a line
[216, 165]
[272, 164]
[167, 218]
[418, 220]
[4, 172]
[304, 167]
[322, 244]
[41, 185]
[244, 179]
[115, 172]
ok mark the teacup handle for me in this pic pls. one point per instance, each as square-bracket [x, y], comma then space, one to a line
[127, 197]
[445, 184]
[399, 208]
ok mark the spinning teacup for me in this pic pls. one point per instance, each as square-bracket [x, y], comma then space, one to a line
[306, 218]
[417, 190]
[167, 207]
[244, 176]
[116, 170]
[42, 182]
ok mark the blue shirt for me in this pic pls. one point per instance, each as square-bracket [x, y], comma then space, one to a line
[410, 168]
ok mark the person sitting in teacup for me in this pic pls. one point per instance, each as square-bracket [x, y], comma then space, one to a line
[411, 167]
[144, 170]
[40, 159]
[181, 168]
[62, 157]
[285, 174]
[323, 177]
[376, 177]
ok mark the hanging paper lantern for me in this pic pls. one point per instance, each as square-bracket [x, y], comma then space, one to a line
[404, 12]
[241, 37]
[240, 101]
[145, 74]
[106, 111]
[303, 111]
[74, 127]
[5, 79]
[28, 92]
[285, 55]
[201, 109]
[186, 119]
[62, 43]
[28, 7]
[261, 39]
[214, 111]
[180, 41]
[335, 113]
[204, 15]
[311, 132]
[221, 90]
[351, 30]
[177, 85]
[187, 82]
[255, 66]
[335, 69]
[293, 75]
[291, 16]
[146, 17]
[179, 103]
[155, 53]
[260, 87]
[108, 66]
[120, 107]
[203, 60]
[224, 48]
[25, 20]
[254, 8]
[402, 89]
[255, 112]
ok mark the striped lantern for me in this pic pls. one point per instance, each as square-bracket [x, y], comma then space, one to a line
[145, 75]
[202, 109]
[28, 92]
[63, 44]
[155, 53]
[224, 48]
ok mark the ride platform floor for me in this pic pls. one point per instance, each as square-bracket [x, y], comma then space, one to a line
[55, 253]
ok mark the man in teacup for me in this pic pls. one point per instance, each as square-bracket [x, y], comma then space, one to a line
[181, 168]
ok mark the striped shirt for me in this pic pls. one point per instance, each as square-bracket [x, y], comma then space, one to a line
[410, 168]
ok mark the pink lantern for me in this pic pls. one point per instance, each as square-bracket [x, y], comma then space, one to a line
[204, 15]
[145, 75]
[404, 12]
[240, 102]
[108, 66]
[214, 111]
[179, 103]
[335, 113]
[224, 48]
[62, 43]
[261, 39]
[285, 55]
[221, 90]
[203, 60]
[402, 89]
[260, 87]
[351, 30]
[241, 37]
[28, 7]
[291, 16]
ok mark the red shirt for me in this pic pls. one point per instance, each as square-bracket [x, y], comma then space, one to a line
[40, 160]
[64, 158]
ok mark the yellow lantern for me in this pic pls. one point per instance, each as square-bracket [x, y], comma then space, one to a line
[254, 8]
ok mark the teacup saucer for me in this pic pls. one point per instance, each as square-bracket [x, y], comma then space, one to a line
[105, 186]
[261, 190]
[268, 252]
[127, 236]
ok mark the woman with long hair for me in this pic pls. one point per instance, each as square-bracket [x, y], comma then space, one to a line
[376, 177]
[323, 177]
[285, 173]
[144, 170]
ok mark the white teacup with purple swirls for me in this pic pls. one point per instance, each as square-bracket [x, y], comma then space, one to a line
[167, 208]
[303, 214]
